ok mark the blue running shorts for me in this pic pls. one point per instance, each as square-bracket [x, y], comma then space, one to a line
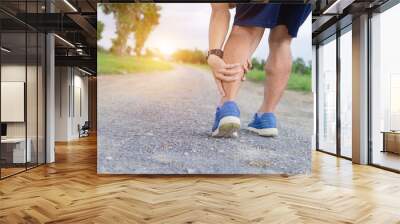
[271, 15]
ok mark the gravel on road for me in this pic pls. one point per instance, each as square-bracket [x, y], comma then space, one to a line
[160, 123]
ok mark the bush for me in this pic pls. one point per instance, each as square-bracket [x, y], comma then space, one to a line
[190, 56]
[300, 67]
[259, 65]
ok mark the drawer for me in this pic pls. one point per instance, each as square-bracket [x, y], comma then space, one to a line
[392, 142]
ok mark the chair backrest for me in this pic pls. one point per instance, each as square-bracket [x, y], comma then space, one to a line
[86, 125]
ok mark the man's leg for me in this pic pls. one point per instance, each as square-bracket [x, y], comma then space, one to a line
[240, 45]
[278, 68]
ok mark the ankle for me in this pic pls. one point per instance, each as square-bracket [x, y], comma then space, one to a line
[224, 99]
[263, 110]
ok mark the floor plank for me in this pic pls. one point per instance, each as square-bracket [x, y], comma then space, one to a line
[70, 191]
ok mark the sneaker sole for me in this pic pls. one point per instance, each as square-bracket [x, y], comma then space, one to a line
[228, 127]
[266, 132]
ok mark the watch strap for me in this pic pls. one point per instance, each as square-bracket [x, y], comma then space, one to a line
[217, 52]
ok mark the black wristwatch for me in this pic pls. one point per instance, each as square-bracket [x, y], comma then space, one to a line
[217, 52]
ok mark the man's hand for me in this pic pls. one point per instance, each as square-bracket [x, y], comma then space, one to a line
[224, 72]
[247, 67]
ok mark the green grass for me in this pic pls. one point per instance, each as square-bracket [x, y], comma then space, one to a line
[112, 64]
[296, 81]
[300, 82]
[256, 75]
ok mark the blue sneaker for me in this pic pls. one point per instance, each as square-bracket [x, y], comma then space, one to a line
[264, 125]
[227, 121]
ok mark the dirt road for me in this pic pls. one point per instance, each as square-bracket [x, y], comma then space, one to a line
[160, 123]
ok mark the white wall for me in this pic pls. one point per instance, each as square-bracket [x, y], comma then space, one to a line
[80, 118]
[12, 73]
[13, 101]
[62, 81]
[33, 126]
[79, 108]
[70, 83]
[16, 73]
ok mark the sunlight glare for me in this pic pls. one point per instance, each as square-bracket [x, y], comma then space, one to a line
[167, 49]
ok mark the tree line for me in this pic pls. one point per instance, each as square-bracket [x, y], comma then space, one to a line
[199, 57]
[299, 66]
[190, 56]
[139, 19]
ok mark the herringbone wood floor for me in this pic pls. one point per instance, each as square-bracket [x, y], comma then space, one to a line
[70, 191]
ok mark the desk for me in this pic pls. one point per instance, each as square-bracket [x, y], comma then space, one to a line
[391, 141]
[17, 150]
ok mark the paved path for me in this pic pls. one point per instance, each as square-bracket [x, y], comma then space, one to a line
[160, 123]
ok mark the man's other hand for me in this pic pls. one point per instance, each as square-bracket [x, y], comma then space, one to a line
[224, 72]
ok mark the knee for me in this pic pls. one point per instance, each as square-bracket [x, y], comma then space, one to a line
[280, 41]
[243, 31]
[279, 36]
[280, 60]
[279, 44]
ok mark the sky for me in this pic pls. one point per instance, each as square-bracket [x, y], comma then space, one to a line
[185, 26]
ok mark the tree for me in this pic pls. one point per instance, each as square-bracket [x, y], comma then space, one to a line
[100, 28]
[147, 20]
[138, 19]
[300, 67]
